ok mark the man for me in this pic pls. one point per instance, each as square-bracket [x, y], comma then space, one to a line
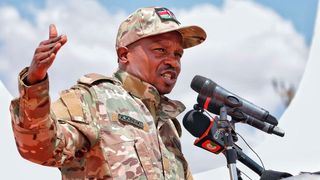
[120, 127]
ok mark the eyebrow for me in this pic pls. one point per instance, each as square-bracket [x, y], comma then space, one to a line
[161, 41]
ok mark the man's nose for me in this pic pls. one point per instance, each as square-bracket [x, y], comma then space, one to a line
[173, 61]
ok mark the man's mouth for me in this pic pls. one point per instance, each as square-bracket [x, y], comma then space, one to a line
[167, 76]
[170, 77]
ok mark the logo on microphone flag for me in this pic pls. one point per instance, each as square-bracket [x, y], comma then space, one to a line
[211, 146]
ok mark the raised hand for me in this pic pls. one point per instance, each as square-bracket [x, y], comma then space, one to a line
[44, 55]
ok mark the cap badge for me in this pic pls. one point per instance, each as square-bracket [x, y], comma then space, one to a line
[166, 15]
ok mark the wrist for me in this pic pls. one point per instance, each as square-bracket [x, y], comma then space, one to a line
[38, 90]
[31, 80]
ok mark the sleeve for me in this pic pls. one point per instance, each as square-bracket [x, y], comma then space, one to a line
[46, 134]
[178, 132]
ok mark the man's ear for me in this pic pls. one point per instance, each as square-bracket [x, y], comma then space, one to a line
[122, 53]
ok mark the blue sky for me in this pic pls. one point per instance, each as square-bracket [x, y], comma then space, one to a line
[300, 12]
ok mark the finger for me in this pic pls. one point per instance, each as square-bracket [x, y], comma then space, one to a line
[56, 48]
[53, 40]
[43, 55]
[63, 39]
[48, 61]
[52, 31]
[44, 48]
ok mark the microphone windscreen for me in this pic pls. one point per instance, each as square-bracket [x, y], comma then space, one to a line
[197, 83]
[203, 85]
[196, 122]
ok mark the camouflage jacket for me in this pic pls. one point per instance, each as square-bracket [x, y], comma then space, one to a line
[102, 128]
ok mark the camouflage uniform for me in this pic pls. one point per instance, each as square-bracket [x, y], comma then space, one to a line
[102, 128]
[107, 128]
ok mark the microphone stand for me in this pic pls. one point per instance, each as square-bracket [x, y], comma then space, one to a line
[224, 136]
[233, 152]
[236, 152]
[230, 152]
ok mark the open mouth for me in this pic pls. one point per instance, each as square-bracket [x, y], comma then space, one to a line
[170, 77]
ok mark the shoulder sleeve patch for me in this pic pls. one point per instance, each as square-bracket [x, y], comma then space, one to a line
[60, 110]
[73, 103]
[94, 78]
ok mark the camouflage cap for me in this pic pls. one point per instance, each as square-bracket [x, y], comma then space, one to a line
[151, 21]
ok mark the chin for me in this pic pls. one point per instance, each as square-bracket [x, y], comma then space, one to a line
[163, 91]
[163, 88]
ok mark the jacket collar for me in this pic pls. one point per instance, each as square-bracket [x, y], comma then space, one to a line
[157, 104]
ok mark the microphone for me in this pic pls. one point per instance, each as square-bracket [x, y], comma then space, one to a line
[211, 139]
[209, 136]
[213, 92]
[239, 116]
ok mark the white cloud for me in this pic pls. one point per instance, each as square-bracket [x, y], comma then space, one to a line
[91, 32]
[297, 151]
[247, 46]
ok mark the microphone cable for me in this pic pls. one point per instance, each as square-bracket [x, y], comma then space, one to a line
[251, 149]
[245, 174]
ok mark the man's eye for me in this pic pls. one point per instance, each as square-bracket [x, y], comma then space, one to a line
[178, 55]
[162, 50]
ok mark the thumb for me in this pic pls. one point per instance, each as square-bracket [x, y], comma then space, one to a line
[52, 31]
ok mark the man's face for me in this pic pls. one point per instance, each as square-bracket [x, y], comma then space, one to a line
[156, 60]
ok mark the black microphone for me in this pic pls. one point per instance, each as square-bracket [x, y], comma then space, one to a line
[196, 122]
[240, 116]
[211, 139]
[209, 136]
[263, 126]
[212, 92]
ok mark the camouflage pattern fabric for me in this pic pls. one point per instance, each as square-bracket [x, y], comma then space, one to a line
[102, 128]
